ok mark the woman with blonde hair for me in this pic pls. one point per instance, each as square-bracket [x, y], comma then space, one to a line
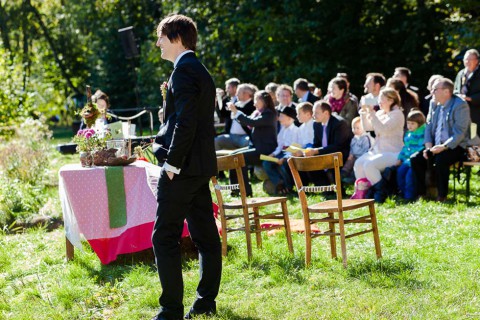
[387, 123]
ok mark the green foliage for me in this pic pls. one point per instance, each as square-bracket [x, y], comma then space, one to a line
[53, 48]
[14, 102]
[25, 161]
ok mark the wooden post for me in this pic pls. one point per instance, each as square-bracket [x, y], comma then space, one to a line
[70, 249]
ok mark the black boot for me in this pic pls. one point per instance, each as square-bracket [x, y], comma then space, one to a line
[379, 191]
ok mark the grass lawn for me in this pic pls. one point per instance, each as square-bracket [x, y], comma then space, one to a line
[429, 270]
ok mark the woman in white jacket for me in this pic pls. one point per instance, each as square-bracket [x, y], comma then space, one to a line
[387, 123]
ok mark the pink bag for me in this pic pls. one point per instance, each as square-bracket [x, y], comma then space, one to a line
[361, 187]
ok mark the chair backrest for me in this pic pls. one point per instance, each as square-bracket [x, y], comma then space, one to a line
[304, 164]
[230, 162]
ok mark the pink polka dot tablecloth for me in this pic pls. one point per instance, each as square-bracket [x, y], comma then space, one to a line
[83, 195]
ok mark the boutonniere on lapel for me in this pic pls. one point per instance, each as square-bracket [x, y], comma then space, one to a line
[164, 88]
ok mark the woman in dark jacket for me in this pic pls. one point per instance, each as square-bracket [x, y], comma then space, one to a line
[263, 138]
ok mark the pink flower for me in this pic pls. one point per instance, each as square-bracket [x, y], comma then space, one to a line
[80, 132]
[88, 135]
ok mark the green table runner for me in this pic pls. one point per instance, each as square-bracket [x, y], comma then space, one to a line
[117, 208]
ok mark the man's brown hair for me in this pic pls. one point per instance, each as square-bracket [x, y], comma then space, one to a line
[179, 27]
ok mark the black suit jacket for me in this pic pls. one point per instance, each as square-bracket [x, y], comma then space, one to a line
[312, 98]
[473, 87]
[264, 131]
[188, 131]
[339, 136]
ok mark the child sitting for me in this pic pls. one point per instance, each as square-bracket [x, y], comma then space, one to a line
[360, 144]
[278, 172]
[414, 142]
[305, 132]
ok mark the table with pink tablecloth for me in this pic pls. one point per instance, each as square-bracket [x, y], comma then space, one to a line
[83, 194]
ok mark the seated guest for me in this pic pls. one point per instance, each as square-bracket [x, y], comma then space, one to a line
[230, 95]
[271, 88]
[302, 91]
[278, 172]
[373, 84]
[413, 140]
[305, 117]
[331, 134]
[467, 84]
[425, 102]
[237, 134]
[446, 136]
[387, 123]
[409, 102]
[263, 122]
[284, 96]
[344, 76]
[404, 74]
[360, 145]
[341, 102]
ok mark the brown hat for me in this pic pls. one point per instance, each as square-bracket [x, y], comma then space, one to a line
[289, 111]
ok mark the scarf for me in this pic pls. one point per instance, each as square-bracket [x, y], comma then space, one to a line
[337, 105]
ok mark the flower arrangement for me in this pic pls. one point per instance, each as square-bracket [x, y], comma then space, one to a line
[89, 140]
[90, 114]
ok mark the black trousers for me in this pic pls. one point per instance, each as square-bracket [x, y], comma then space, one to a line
[186, 197]
[440, 163]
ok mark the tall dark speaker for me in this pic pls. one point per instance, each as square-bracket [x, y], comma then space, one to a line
[129, 44]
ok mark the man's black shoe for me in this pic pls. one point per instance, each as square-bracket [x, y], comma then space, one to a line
[193, 313]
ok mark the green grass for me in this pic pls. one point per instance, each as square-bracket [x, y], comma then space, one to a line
[429, 270]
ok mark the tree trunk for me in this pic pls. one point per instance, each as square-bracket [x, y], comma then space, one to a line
[4, 28]
[52, 47]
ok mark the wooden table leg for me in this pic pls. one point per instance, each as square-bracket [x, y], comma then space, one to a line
[70, 249]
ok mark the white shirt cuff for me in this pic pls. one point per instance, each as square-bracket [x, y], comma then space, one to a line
[170, 168]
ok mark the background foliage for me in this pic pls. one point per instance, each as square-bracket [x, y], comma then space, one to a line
[52, 48]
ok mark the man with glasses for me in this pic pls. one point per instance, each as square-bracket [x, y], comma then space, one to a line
[467, 85]
[446, 137]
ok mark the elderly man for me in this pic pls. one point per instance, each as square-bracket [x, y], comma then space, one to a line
[467, 85]
[237, 136]
[446, 137]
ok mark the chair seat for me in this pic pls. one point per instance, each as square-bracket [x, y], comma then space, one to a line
[254, 202]
[332, 205]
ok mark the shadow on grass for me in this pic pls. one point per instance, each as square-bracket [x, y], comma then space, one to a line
[118, 269]
[227, 313]
[386, 272]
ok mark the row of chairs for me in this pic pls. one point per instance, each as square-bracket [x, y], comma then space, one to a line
[330, 212]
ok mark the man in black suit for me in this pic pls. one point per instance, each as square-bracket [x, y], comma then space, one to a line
[467, 85]
[331, 134]
[188, 156]
[302, 91]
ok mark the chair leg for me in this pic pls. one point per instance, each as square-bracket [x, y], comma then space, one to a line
[258, 228]
[341, 226]
[308, 241]
[246, 221]
[333, 240]
[376, 237]
[286, 221]
[224, 232]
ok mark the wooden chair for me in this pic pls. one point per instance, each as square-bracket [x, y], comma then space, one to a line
[330, 207]
[250, 207]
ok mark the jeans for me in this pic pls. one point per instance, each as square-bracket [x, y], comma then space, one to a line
[406, 182]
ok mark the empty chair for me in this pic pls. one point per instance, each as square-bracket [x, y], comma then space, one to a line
[249, 207]
[330, 211]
